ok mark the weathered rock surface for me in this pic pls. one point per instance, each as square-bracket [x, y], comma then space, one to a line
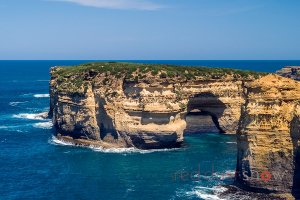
[146, 111]
[94, 105]
[268, 136]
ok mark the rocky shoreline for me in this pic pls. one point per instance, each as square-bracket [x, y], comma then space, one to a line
[86, 143]
[236, 193]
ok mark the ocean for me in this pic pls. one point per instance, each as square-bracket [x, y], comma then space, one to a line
[35, 165]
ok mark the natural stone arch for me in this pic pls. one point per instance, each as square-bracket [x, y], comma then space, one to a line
[265, 128]
[203, 113]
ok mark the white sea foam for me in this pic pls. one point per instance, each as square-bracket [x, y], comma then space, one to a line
[16, 103]
[54, 140]
[43, 125]
[206, 196]
[26, 95]
[207, 193]
[222, 176]
[32, 116]
[231, 142]
[129, 150]
[3, 141]
[19, 129]
[41, 95]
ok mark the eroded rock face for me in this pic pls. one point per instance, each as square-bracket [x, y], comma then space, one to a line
[146, 113]
[268, 136]
[152, 111]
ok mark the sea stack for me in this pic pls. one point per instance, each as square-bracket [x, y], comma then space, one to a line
[268, 136]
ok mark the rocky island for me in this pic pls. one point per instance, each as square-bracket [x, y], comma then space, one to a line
[151, 106]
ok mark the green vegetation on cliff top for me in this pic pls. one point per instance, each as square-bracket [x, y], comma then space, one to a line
[165, 71]
[73, 78]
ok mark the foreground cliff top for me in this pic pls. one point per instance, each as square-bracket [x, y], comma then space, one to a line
[73, 77]
[119, 68]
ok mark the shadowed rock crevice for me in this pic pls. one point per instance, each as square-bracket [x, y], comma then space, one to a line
[295, 135]
[243, 171]
[105, 122]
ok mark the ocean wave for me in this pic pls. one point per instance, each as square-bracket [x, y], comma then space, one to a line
[219, 176]
[19, 129]
[32, 116]
[26, 95]
[16, 103]
[54, 140]
[207, 193]
[216, 193]
[129, 150]
[43, 125]
[41, 95]
[227, 175]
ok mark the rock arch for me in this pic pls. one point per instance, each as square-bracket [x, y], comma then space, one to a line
[203, 113]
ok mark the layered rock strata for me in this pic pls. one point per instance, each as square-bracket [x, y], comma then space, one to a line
[143, 109]
[269, 136]
[148, 106]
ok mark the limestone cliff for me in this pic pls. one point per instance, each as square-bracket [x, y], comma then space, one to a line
[150, 106]
[268, 136]
[145, 106]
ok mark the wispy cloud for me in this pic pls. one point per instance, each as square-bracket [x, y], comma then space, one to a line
[117, 4]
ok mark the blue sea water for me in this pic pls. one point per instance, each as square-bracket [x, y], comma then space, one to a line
[34, 165]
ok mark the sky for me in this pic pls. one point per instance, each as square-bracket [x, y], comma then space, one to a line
[149, 30]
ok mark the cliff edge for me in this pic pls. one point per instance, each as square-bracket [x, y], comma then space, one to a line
[269, 136]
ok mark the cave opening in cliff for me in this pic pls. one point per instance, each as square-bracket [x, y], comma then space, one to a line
[203, 113]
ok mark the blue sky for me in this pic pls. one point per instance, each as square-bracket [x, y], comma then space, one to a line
[149, 29]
